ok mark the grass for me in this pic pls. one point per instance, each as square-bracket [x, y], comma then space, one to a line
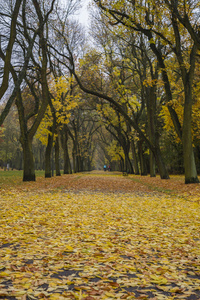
[14, 177]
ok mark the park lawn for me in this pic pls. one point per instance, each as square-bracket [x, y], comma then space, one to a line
[13, 178]
[91, 236]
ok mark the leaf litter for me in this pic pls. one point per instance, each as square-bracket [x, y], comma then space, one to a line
[88, 240]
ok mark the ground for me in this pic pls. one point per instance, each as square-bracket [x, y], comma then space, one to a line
[100, 236]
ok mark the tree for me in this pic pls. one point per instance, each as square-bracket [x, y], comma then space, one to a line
[187, 12]
[20, 59]
[147, 19]
[57, 117]
[96, 90]
[30, 120]
[8, 40]
[120, 130]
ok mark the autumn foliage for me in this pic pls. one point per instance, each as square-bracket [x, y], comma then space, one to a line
[100, 236]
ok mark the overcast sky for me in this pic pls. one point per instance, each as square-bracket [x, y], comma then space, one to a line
[84, 14]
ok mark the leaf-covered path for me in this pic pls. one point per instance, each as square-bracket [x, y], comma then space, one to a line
[96, 236]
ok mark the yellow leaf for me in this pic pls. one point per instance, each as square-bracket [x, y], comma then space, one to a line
[4, 274]
[69, 249]
[175, 290]
[158, 279]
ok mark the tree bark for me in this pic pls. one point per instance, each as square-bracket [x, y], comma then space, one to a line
[27, 133]
[29, 167]
[143, 168]
[135, 158]
[187, 78]
[151, 111]
[160, 163]
[67, 164]
[188, 152]
[57, 157]
[128, 164]
[48, 156]
[74, 160]
[8, 54]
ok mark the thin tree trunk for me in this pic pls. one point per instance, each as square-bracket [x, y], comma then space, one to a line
[67, 164]
[57, 157]
[48, 156]
[151, 110]
[74, 160]
[64, 142]
[135, 159]
[143, 168]
[128, 164]
[152, 164]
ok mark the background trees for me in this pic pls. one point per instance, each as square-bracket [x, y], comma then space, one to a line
[126, 100]
[163, 30]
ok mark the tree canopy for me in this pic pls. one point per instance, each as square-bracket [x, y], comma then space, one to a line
[125, 93]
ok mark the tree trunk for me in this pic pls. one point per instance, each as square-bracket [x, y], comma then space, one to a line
[29, 167]
[41, 157]
[82, 164]
[78, 162]
[121, 164]
[188, 152]
[89, 164]
[48, 156]
[18, 162]
[135, 159]
[161, 165]
[128, 165]
[57, 157]
[151, 111]
[76, 157]
[74, 160]
[64, 142]
[67, 164]
[155, 156]
[152, 164]
[143, 168]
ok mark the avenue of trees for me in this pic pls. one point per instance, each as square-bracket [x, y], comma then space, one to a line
[126, 93]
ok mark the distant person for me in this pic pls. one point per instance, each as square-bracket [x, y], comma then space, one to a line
[8, 167]
[104, 167]
[109, 168]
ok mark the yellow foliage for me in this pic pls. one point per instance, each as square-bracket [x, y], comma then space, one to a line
[115, 151]
[178, 106]
[64, 102]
